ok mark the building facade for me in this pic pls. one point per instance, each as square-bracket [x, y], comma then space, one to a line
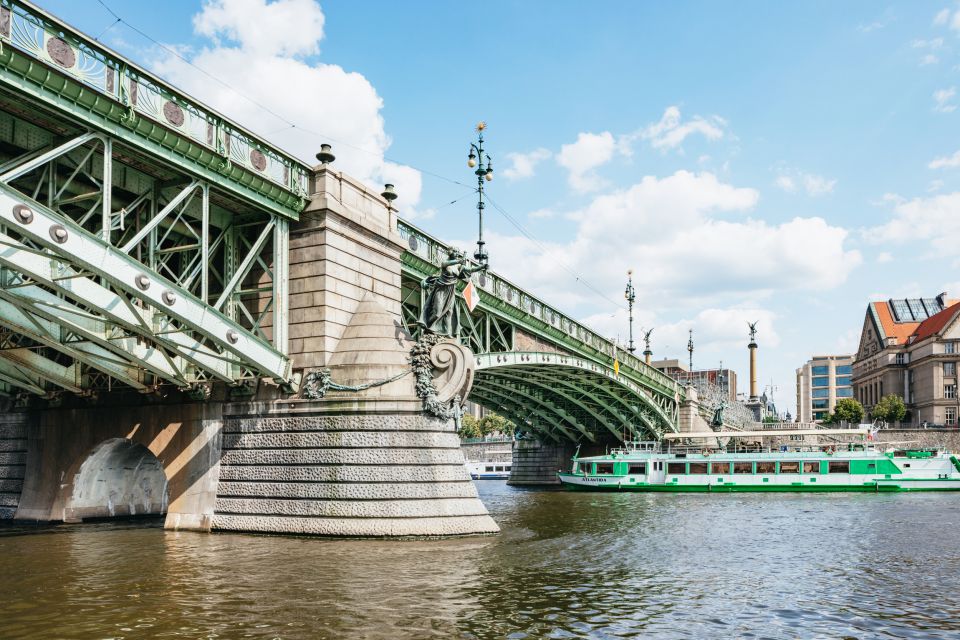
[820, 383]
[725, 379]
[911, 348]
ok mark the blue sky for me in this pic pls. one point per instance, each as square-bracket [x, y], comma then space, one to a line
[781, 162]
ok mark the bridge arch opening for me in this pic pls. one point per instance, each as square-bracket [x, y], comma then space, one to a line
[119, 478]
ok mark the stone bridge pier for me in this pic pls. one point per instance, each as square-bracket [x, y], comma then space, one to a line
[352, 453]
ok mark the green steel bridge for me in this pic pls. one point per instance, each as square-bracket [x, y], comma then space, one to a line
[144, 241]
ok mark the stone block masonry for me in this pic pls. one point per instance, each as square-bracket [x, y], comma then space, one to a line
[303, 470]
[13, 457]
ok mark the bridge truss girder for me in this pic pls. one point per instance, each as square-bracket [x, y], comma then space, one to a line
[590, 399]
[215, 280]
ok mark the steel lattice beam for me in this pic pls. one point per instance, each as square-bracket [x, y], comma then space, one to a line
[88, 252]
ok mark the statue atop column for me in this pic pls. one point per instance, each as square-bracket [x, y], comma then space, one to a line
[439, 314]
[753, 330]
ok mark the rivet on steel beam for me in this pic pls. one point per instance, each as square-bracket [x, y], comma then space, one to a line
[169, 297]
[22, 213]
[233, 337]
[58, 234]
[142, 282]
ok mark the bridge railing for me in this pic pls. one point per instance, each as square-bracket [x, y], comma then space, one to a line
[435, 252]
[41, 36]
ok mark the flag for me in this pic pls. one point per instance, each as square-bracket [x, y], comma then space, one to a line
[471, 297]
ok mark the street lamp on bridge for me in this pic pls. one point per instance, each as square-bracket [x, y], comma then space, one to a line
[484, 171]
[631, 295]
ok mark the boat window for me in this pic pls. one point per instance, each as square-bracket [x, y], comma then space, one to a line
[789, 467]
[488, 468]
[719, 467]
[500, 468]
[637, 469]
[743, 467]
[507, 468]
[766, 466]
[698, 467]
[585, 467]
[839, 466]
[677, 468]
[604, 467]
[811, 467]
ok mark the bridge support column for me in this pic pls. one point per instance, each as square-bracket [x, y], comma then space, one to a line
[537, 463]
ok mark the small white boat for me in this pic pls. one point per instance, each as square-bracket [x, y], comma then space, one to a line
[489, 470]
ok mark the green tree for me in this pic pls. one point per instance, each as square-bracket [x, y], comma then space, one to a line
[469, 427]
[495, 423]
[890, 409]
[846, 410]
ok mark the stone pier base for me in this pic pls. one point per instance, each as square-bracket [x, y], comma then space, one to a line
[13, 458]
[537, 463]
[321, 469]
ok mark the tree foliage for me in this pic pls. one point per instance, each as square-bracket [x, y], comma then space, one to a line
[846, 410]
[491, 423]
[890, 409]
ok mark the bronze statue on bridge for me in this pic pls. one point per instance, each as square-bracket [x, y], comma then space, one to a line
[439, 314]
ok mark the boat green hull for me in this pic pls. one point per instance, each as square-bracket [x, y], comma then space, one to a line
[754, 488]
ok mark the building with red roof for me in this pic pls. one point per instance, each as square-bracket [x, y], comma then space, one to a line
[909, 347]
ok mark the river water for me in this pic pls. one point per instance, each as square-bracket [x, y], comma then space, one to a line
[567, 565]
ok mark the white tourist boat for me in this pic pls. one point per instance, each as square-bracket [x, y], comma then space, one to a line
[852, 466]
[489, 470]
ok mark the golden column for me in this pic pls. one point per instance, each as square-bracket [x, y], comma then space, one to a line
[753, 361]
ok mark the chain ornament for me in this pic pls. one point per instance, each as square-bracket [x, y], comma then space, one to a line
[317, 383]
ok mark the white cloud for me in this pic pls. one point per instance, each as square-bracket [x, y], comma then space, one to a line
[929, 59]
[671, 130]
[524, 164]
[934, 186]
[673, 231]
[786, 183]
[945, 162]
[791, 180]
[581, 158]
[281, 28]
[942, 17]
[884, 256]
[544, 213]
[259, 54]
[818, 185]
[932, 219]
[942, 99]
[934, 43]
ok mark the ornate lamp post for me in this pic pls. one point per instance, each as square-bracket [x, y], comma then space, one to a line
[690, 349]
[631, 296]
[484, 171]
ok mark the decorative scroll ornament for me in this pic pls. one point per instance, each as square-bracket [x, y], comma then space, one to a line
[317, 383]
[455, 364]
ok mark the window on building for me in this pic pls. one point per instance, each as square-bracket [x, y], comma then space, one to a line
[948, 347]
[843, 381]
[677, 468]
[822, 381]
[901, 358]
[699, 468]
[949, 368]
[950, 416]
[949, 391]
[821, 371]
[844, 370]
[821, 393]
[789, 467]
[821, 404]
[845, 392]
[819, 415]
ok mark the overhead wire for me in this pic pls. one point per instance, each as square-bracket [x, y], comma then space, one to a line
[292, 125]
